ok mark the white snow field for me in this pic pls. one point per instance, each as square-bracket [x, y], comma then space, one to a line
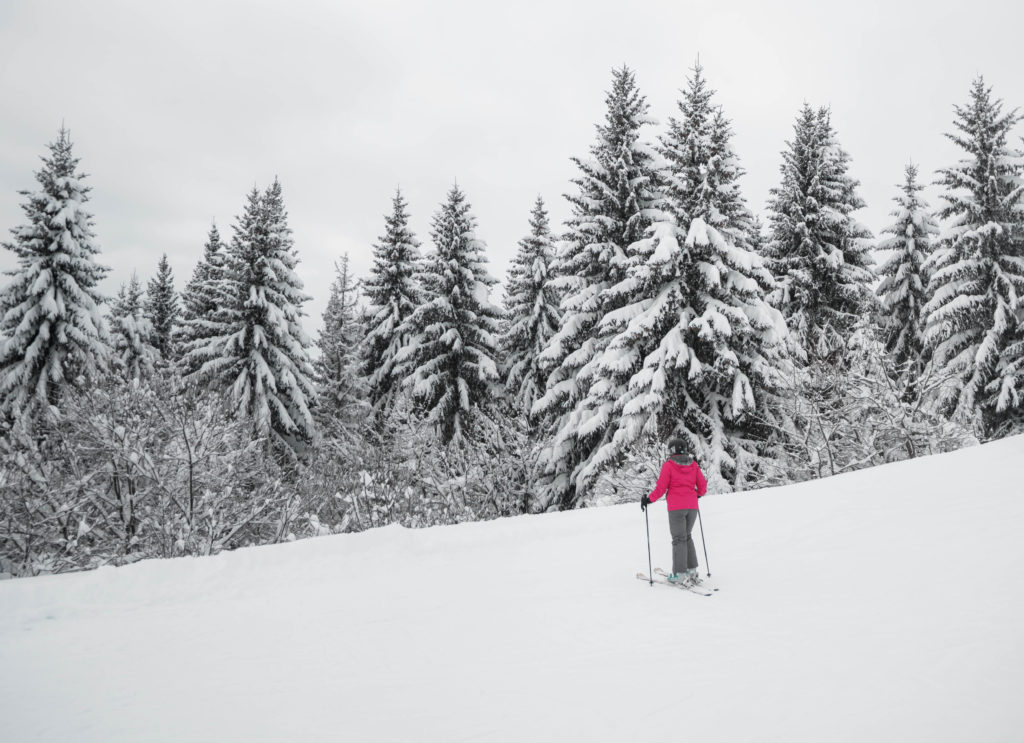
[884, 605]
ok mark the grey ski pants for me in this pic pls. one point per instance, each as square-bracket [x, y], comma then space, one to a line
[684, 553]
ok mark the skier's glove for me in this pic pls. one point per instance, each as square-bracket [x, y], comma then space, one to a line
[644, 502]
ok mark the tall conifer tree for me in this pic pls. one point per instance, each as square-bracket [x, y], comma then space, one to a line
[52, 330]
[613, 205]
[135, 354]
[696, 347]
[977, 282]
[199, 299]
[531, 310]
[163, 310]
[450, 357]
[342, 389]
[818, 251]
[257, 348]
[393, 295]
[202, 298]
[902, 291]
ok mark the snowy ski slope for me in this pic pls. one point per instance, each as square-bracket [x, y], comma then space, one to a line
[884, 605]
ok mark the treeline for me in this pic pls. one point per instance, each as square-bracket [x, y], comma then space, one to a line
[161, 424]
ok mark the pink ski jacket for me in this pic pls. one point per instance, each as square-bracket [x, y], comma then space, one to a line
[683, 482]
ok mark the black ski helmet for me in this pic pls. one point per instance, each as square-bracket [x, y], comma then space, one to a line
[676, 445]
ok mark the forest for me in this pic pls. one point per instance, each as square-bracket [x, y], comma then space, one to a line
[163, 423]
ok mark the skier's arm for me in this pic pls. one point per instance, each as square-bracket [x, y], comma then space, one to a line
[702, 483]
[662, 486]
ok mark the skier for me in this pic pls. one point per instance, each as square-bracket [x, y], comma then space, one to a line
[682, 479]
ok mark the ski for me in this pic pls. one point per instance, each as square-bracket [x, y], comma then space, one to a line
[703, 584]
[665, 582]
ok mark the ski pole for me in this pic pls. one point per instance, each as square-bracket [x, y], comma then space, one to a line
[650, 566]
[703, 543]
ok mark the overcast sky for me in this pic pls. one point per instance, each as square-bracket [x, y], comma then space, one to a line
[177, 109]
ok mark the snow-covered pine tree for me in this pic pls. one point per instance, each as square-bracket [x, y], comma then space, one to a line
[902, 291]
[696, 348]
[615, 199]
[257, 348]
[202, 298]
[199, 299]
[977, 268]
[449, 360]
[531, 310]
[818, 252]
[163, 310]
[342, 403]
[393, 295]
[132, 332]
[51, 326]
[758, 239]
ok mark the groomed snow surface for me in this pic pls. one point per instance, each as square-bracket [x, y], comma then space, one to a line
[884, 605]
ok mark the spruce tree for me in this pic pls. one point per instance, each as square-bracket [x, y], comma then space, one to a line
[449, 360]
[202, 298]
[163, 310]
[531, 309]
[199, 300]
[818, 252]
[696, 347]
[393, 295]
[902, 291]
[132, 333]
[342, 390]
[52, 330]
[978, 268]
[257, 349]
[611, 209]
[758, 239]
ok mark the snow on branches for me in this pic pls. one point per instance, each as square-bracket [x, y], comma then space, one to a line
[817, 251]
[902, 291]
[531, 309]
[52, 331]
[450, 357]
[694, 347]
[254, 345]
[615, 200]
[394, 295]
[977, 268]
[132, 333]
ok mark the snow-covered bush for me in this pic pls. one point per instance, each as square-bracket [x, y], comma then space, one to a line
[852, 408]
[130, 470]
[402, 475]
